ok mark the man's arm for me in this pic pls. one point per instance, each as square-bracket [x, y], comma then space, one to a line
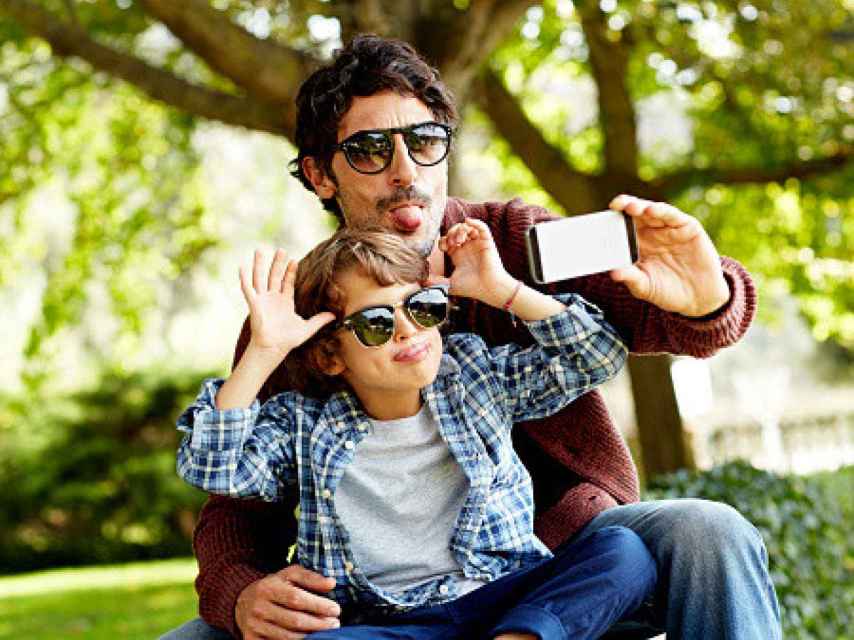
[645, 327]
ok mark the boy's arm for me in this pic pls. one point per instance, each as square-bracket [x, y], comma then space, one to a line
[576, 351]
[236, 452]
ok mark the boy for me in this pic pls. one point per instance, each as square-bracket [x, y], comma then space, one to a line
[411, 497]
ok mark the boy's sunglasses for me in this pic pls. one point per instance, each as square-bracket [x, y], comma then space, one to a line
[374, 326]
[370, 151]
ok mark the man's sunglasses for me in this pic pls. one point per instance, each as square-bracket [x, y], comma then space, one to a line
[370, 151]
[374, 326]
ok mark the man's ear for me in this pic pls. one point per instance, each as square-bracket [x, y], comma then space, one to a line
[322, 182]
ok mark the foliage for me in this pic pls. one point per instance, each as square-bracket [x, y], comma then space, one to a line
[130, 216]
[94, 474]
[811, 556]
[759, 86]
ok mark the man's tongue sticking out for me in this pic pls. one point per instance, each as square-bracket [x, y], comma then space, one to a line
[406, 218]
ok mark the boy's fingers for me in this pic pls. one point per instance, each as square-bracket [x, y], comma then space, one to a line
[317, 322]
[277, 270]
[260, 271]
[290, 277]
[245, 285]
[433, 280]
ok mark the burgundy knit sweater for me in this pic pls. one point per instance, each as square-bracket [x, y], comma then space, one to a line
[578, 460]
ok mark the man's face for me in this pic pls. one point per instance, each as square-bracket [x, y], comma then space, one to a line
[406, 198]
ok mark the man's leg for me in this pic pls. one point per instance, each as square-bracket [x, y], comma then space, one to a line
[712, 568]
[196, 629]
[583, 590]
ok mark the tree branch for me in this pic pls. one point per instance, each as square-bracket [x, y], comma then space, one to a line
[573, 190]
[469, 37]
[68, 40]
[609, 61]
[677, 181]
[267, 70]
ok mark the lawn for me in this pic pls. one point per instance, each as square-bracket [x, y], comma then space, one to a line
[133, 601]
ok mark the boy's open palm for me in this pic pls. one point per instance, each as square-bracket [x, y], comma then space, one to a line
[276, 327]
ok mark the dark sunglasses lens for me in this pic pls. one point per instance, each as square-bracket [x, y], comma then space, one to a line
[428, 307]
[373, 327]
[369, 152]
[428, 143]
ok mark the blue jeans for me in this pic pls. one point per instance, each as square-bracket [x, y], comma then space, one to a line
[712, 572]
[713, 579]
[577, 594]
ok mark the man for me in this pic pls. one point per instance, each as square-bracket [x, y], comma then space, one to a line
[371, 146]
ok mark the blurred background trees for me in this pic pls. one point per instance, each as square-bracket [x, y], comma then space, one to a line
[143, 146]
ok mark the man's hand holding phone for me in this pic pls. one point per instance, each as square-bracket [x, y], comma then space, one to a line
[679, 269]
[662, 255]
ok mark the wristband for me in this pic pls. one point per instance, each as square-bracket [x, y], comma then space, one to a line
[506, 306]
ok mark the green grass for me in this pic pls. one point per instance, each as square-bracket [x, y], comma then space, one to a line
[135, 601]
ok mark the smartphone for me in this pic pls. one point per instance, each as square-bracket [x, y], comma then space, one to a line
[581, 245]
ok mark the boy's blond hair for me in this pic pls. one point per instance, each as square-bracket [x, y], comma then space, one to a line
[375, 253]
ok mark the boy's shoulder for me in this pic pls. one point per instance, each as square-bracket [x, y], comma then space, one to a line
[468, 351]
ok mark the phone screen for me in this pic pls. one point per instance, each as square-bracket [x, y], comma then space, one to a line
[581, 245]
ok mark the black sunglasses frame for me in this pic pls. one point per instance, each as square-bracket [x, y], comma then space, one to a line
[349, 324]
[347, 143]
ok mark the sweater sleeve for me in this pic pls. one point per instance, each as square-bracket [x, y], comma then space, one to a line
[236, 543]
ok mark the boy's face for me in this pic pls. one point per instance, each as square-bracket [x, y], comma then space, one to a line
[387, 379]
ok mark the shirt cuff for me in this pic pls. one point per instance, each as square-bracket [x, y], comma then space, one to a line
[213, 429]
[578, 321]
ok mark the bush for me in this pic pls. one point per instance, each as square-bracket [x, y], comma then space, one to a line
[91, 477]
[809, 545]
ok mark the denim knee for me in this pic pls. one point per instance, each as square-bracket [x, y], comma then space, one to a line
[713, 525]
[629, 562]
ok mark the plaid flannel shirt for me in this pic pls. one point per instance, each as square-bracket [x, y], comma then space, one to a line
[476, 397]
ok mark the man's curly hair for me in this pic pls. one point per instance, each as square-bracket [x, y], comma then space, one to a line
[369, 64]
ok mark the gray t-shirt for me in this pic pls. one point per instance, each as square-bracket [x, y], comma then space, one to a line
[399, 500]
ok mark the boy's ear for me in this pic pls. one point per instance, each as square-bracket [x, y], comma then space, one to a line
[324, 185]
[325, 359]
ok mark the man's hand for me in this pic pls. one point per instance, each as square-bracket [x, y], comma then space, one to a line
[285, 606]
[679, 269]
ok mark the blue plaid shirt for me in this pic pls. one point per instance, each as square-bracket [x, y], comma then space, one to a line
[476, 397]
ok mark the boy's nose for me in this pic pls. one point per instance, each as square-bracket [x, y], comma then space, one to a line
[402, 171]
[404, 327]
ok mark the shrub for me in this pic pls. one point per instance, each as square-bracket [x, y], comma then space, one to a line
[91, 477]
[809, 544]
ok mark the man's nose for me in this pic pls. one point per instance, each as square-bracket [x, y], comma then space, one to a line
[404, 327]
[402, 170]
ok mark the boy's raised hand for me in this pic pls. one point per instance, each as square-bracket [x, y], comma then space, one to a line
[478, 271]
[276, 327]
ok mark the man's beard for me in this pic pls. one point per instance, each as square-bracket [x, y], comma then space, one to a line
[415, 195]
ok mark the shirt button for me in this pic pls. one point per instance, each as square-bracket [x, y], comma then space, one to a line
[326, 493]
[349, 445]
[443, 589]
[348, 566]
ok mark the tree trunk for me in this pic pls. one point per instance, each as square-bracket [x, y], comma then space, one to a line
[664, 447]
